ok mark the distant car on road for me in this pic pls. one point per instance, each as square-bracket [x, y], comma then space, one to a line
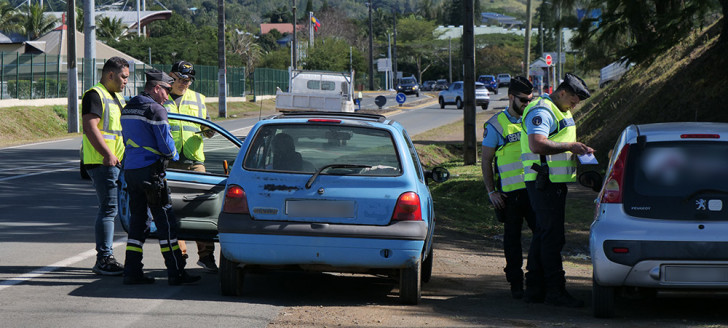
[660, 223]
[441, 84]
[454, 95]
[504, 80]
[408, 86]
[490, 82]
[428, 85]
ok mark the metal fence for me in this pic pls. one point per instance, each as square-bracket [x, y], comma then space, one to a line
[38, 76]
[266, 80]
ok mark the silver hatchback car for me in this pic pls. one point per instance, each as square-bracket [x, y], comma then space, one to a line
[661, 222]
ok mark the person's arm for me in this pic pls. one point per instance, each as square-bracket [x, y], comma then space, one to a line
[162, 135]
[90, 122]
[496, 197]
[541, 145]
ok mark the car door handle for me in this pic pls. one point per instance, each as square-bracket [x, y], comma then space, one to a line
[202, 197]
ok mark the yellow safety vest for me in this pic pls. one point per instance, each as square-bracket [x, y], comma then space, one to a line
[186, 135]
[109, 125]
[562, 167]
[508, 156]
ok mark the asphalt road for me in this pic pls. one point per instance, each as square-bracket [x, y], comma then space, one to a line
[47, 249]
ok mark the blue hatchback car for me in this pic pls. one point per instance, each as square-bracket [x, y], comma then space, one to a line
[333, 192]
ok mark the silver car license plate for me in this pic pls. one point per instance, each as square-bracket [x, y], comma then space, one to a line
[696, 273]
[320, 208]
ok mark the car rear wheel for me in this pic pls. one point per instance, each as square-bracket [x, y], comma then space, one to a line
[410, 283]
[603, 300]
[442, 103]
[231, 277]
[459, 103]
[484, 106]
[427, 267]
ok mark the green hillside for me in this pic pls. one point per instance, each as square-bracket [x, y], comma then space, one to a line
[686, 83]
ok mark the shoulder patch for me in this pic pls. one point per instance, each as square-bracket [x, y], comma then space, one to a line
[536, 120]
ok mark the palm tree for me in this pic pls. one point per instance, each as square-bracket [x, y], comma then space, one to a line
[9, 18]
[35, 23]
[108, 29]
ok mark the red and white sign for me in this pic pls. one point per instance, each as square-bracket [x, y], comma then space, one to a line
[548, 60]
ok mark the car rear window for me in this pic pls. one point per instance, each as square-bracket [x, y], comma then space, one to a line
[677, 180]
[306, 148]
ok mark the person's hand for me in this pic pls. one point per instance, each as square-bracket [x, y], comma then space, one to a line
[208, 133]
[580, 148]
[111, 160]
[498, 199]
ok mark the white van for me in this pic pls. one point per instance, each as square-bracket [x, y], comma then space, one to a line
[317, 91]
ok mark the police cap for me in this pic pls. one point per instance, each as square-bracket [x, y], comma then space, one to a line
[577, 85]
[520, 84]
[184, 69]
[155, 75]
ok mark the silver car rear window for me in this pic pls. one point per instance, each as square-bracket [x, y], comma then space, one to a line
[306, 148]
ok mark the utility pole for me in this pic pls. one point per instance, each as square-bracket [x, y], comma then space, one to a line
[527, 51]
[72, 69]
[469, 151]
[559, 73]
[371, 46]
[449, 56]
[394, 52]
[295, 59]
[221, 62]
[89, 43]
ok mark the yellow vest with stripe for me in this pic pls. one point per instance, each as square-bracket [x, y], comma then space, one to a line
[109, 125]
[508, 156]
[185, 134]
[562, 167]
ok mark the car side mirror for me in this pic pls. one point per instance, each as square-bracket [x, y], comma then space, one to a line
[591, 180]
[437, 174]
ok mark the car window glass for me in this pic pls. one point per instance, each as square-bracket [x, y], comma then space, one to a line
[216, 149]
[415, 157]
[313, 85]
[457, 86]
[305, 148]
[328, 85]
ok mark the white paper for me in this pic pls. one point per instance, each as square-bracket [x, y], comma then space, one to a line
[587, 159]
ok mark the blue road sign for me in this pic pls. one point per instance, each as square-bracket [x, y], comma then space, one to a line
[401, 98]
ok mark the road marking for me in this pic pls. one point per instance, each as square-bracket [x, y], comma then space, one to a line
[36, 173]
[55, 266]
[36, 166]
[37, 143]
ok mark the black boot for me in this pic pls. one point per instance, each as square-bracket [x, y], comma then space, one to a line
[183, 278]
[517, 291]
[562, 298]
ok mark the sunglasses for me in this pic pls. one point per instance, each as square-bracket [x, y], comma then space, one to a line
[183, 80]
[168, 89]
[523, 100]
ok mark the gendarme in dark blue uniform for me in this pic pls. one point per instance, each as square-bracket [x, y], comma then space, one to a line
[149, 145]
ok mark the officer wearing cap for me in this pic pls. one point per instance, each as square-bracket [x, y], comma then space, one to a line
[188, 139]
[548, 145]
[504, 180]
[149, 145]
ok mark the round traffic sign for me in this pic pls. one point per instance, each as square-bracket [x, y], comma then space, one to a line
[380, 101]
[548, 60]
[401, 98]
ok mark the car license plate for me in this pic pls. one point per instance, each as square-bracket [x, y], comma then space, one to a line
[320, 208]
[702, 274]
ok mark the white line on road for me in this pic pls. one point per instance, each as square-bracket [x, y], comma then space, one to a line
[34, 144]
[36, 173]
[55, 266]
[36, 166]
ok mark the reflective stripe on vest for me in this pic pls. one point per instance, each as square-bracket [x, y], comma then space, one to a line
[186, 139]
[109, 125]
[562, 166]
[509, 169]
[133, 144]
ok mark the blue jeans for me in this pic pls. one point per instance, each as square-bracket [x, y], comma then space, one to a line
[105, 182]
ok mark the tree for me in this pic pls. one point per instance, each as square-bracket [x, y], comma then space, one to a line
[36, 24]
[109, 28]
[332, 54]
[10, 19]
[427, 9]
[416, 42]
[244, 44]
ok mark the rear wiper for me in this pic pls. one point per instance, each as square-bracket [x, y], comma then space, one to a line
[703, 191]
[338, 166]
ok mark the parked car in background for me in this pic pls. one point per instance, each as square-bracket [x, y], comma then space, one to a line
[613, 72]
[333, 192]
[408, 86]
[660, 224]
[504, 80]
[428, 85]
[441, 84]
[454, 95]
[490, 82]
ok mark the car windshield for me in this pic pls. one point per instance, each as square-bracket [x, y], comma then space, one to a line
[479, 86]
[407, 80]
[306, 148]
[486, 78]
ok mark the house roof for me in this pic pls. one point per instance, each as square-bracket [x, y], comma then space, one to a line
[128, 18]
[56, 42]
[281, 27]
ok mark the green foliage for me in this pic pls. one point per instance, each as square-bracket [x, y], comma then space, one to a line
[10, 19]
[333, 55]
[61, 111]
[36, 23]
[42, 88]
[108, 29]
[278, 59]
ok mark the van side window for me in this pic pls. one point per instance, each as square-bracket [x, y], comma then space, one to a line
[328, 85]
[313, 85]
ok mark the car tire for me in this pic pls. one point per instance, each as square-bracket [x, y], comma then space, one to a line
[82, 170]
[418, 94]
[427, 266]
[442, 103]
[410, 284]
[459, 103]
[496, 91]
[231, 277]
[602, 300]
[484, 107]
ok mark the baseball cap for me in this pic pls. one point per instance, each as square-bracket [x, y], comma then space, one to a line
[157, 75]
[577, 85]
[184, 69]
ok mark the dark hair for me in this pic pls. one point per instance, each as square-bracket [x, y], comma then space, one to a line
[114, 64]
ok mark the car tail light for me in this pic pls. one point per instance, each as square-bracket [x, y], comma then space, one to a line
[700, 136]
[615, 181]
[322, 120]
[407, 208]
[620, 250]
[235, 200]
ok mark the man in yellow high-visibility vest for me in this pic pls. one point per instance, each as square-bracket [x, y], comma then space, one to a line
[103, 150]
[504, 180]
[188, 140]
[548, 146]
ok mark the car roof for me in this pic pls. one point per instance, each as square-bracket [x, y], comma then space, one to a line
[677, 131]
